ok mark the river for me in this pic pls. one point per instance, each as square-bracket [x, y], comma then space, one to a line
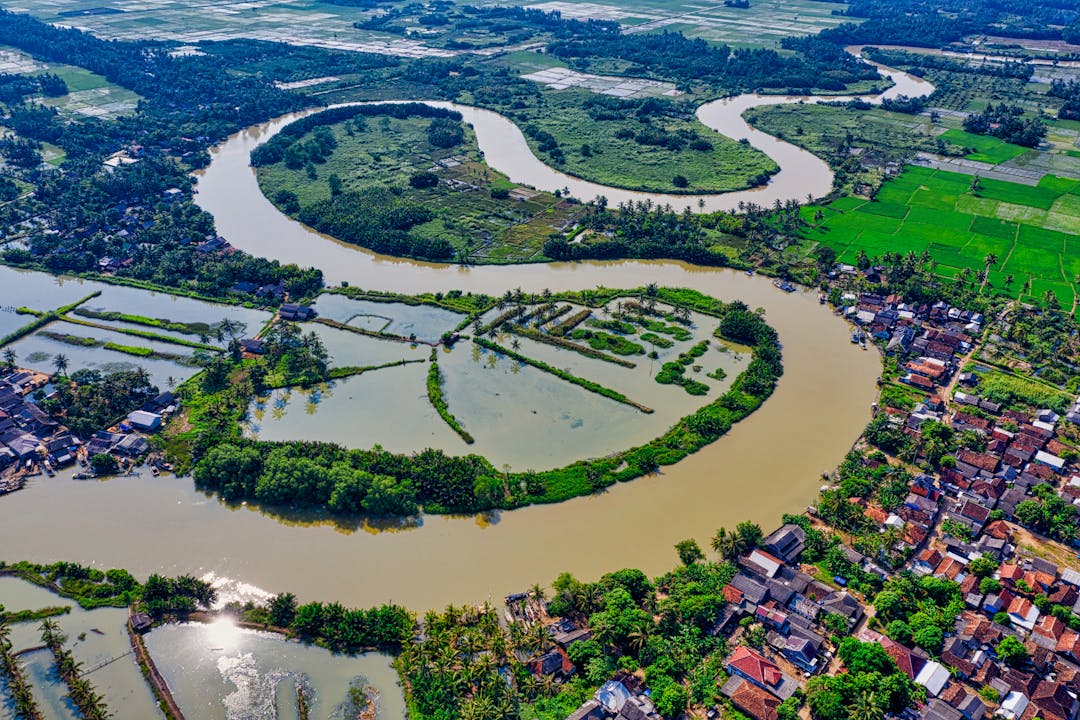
[769, 464]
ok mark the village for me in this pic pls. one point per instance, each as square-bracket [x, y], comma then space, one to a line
[32, 442]
[978, 525]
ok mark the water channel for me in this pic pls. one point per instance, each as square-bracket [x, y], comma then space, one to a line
[769, 464]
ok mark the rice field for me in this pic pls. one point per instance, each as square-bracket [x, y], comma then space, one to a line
[309, 22]
[1034, 231]
[89, 95]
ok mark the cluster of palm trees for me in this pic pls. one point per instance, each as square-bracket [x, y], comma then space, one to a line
[729, 545]
[91, 705]
[466, 665]
[18, 688]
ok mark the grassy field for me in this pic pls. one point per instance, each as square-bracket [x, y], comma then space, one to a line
[88, 94]
[626, 163]
[389, 151]
[1033, 231]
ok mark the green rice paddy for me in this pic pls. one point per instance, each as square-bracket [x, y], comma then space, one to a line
[1033, 231]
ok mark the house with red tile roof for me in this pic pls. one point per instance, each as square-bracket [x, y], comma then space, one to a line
[755, 667]
[750, 699]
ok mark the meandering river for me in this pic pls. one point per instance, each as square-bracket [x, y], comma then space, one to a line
[767, 465]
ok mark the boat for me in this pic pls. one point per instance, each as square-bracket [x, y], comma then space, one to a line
[785, 285]
[154, 471]
[821, 298]
[856, 337]
[750, 272]
[82, 476]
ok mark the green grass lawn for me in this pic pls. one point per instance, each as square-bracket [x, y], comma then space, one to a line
[1032, 230]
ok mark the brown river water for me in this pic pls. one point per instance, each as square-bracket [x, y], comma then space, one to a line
[769, 464]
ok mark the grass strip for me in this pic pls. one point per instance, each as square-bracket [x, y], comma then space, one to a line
[371, 333]
[571, 322]
[161, 323]
[43, 319]
[438, 400]
[144, 334]
[559, 342]
[24, 616]
[563, 375]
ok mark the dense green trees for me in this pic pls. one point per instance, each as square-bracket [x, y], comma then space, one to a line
[1047, 513]
[90, 401]
[673, 56]
[872, 686]
[343, 481]
[1008, 123]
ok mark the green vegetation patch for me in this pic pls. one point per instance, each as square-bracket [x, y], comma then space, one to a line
[405, 180]
[654, 145]
[606, 341]
[987, 149]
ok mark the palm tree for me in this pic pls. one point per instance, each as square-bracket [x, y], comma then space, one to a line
[725, 544]
[9, 358]
[866, 707]
[989, 261]
[536, 592]
[60, 362]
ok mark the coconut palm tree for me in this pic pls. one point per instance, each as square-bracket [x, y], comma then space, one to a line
[866, 707]
[60, 362]
[725, 544]
[9, 358]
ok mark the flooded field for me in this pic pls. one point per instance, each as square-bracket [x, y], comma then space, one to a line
[42, 292]
[426, 323]
[99, 640]
[37, 352]
[218, 671]
[520, 416]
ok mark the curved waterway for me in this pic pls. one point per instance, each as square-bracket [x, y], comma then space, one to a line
[769, 464]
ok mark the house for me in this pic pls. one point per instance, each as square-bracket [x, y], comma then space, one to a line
[938, 709]
[926, 561]
[1054, 701]
[133, 445]
[768, 564]
[1051, 461]
[292, 311]
[140, 622]
[1023, 613]
[590, 710]
[144, 421]
[750, 699]
[612, 695]
[842, 603]
[252, 346]
[554, 662]
[787, 543]
[638, 707]
[753, 666]
[933, 677]
[1013, 705]
[800, 652]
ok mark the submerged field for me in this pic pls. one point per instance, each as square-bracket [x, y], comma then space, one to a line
[1033, 233]
[521, 415]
